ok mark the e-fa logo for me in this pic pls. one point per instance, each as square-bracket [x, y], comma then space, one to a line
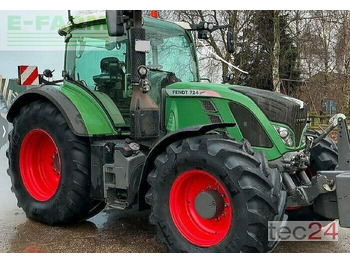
[17, 23]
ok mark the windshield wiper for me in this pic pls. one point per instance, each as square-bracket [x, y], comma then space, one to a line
[159, 70]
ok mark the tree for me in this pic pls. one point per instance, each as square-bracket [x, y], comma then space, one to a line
[271, 55]
[276, 52]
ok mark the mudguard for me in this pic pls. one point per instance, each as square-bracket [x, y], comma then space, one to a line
[87, 113]
[53, 95]
[170, 138]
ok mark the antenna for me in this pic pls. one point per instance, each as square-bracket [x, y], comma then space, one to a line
[70, 17]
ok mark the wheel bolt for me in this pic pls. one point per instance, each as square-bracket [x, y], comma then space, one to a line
[217, 218]
[223, 214]
[208, 187]
[226, 205]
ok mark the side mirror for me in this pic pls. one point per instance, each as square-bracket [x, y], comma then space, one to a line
[115, 22]
[48, 73]
[203, 34]
[230, 45]
[229, 77]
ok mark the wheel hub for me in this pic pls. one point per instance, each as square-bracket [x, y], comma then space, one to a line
[200, 208]
[209, 204]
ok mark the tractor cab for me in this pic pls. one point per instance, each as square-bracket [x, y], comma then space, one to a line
[102, 63]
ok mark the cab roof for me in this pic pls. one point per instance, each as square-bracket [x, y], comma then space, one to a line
[100, 18]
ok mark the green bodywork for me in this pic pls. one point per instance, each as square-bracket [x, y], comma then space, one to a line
[181, 111]
[95, 118]
[184, 111]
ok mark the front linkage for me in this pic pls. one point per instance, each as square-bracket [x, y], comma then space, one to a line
[328, 190]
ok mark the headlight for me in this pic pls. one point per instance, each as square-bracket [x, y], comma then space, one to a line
[142, 70]
[285, 135]
[303, 139]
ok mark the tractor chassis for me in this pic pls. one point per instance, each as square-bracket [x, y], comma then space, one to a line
[119, 167]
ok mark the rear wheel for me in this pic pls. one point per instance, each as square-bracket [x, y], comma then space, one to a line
[50, 167]
[210, 194]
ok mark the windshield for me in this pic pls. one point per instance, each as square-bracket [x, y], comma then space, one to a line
[92, 55]
[171, 51]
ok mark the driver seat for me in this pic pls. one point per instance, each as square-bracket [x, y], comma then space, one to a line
[111, 72]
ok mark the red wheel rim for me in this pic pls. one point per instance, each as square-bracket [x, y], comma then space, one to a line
[193, 227]
[40, 165]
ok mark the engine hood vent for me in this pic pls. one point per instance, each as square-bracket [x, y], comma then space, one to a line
[278, 108]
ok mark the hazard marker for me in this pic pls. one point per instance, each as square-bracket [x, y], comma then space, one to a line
[28, 75]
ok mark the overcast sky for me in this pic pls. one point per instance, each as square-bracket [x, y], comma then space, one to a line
[30, 38]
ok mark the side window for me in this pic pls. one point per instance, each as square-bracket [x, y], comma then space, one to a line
[100, 62]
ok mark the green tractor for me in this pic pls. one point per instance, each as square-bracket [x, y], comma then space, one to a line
[132, 126]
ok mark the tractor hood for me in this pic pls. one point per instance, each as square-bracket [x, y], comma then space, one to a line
[276, 107]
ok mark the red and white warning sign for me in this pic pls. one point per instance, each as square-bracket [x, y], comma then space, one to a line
[28, 75]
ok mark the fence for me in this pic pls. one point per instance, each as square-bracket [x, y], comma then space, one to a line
[321, 122]
[9, 90]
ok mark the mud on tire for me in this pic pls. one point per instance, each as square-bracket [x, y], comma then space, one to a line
[253, 189]
[71, 202]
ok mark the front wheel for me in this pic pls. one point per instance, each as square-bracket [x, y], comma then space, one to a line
[210, 194]
[50, 167]
[323, 157]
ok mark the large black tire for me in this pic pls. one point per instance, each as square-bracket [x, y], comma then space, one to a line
[253, 188]
[324, 155]
[71, 202]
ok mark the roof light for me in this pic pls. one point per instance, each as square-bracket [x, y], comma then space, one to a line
[154, 14]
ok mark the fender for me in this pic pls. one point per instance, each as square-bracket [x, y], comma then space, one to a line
[53, 95]
[170, 138]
